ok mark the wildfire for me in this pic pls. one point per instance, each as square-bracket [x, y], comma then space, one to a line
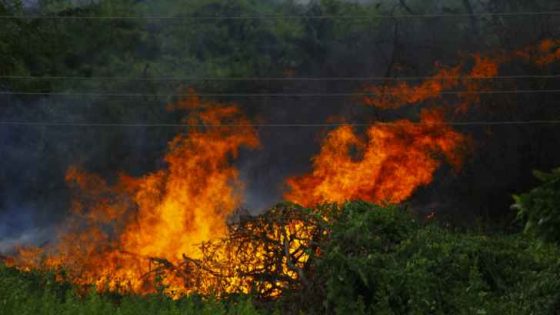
[116, 232]
[168, 230]
[392, 160]
[468, 83]
[387, 166]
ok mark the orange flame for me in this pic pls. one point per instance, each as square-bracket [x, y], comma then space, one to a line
[115, 229]
[388, 166]
[396, 158]
[467, 83]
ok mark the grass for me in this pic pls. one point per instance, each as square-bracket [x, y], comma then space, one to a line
[37, 293]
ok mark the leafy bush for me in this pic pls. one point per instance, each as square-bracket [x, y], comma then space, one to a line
[381, 261]
[540, 207]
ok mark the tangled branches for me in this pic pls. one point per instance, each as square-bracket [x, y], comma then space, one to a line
[264, 255]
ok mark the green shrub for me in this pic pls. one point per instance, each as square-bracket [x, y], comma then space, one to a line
[540, 207]
[381, 261]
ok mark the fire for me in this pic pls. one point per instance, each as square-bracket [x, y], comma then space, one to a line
[168, 230]
[393, 159]
[116, 231]
[402, 93]
[388, 166]
[542, 54]
[434, 87]
[467, 82]
[265, 255]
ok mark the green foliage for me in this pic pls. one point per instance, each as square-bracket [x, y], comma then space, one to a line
[33, 293]
[540, 207]
[381, 261]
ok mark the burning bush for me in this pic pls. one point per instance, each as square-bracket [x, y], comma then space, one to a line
[263, 256]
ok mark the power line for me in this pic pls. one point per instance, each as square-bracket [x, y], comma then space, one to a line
[373, 78]
[275, 17]
[286, 125]
[268, 94]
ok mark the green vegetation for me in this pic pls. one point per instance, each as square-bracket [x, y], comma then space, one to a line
[34, 293]
[540, 207]
[381, 261]
[378, 260]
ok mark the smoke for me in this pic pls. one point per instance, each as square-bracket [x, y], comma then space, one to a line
[18, 227]
[34, 197]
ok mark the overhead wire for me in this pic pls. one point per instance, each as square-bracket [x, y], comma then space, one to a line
[278, 16]
[246, 95]
[346, 17]
[272, 125]
[372, 78]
